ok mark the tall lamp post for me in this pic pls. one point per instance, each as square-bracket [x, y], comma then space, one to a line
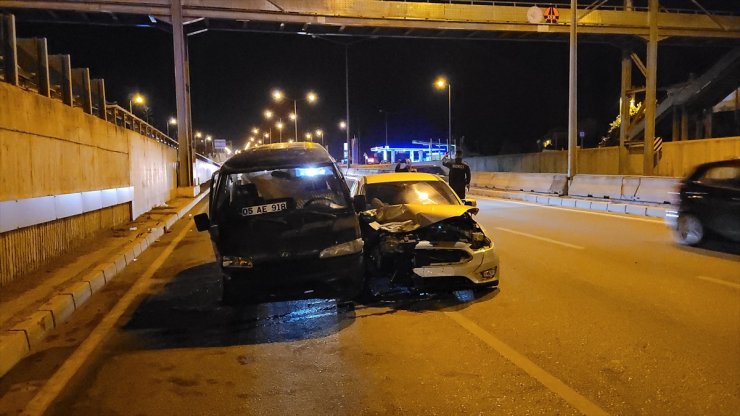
[320, 134]
[311, 98]
[386, 125]
[171, 122]
[440, 83]
[135, 98]
[280, 126]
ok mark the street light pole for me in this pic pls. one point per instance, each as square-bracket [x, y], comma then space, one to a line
[295, 118]
[449, 115]
[385, 113]
[346, 98]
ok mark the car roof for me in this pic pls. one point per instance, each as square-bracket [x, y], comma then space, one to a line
[273, 156]
[400, 177]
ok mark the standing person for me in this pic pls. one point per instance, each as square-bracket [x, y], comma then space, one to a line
[405, 168]
[459, 174]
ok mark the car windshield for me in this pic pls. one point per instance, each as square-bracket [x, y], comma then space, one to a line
[417, 192]
[316, 188]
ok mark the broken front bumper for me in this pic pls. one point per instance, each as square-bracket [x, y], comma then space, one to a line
[477, 267]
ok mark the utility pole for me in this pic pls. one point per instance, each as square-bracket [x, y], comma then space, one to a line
[572, 92]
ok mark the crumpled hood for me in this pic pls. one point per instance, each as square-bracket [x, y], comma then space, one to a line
[409, 217]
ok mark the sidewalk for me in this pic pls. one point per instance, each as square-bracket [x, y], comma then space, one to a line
[589, 204]
[38, 302]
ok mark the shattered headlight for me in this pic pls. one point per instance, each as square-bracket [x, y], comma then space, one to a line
[350, 247]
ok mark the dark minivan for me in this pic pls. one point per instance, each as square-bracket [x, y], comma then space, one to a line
[283, 224]
[710, 203]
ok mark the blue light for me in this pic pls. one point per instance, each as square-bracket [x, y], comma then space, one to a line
[301, 172]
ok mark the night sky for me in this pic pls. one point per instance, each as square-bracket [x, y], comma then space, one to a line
[506, 95]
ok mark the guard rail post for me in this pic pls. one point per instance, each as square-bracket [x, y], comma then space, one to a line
[9, 49]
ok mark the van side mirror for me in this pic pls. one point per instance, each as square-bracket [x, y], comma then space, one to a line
[470, 202]
[202, 223]
[360, 203]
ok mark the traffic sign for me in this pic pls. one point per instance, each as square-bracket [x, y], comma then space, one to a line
[552, 15]
[219, 144]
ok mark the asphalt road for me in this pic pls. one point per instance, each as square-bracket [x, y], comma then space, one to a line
[596, 314]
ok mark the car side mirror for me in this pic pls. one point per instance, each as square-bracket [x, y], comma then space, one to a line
[202, 222]
[360, 203]
[470, 202]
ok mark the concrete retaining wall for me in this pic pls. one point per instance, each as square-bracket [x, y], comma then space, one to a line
[678, 160]
[48, 148]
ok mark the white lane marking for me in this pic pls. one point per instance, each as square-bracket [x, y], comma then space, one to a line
[554, 384]
[54, 386]
[719, 281]
[580, 211]
[541, 238]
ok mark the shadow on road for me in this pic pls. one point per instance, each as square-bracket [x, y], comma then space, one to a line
[188, 312]
[716, 247]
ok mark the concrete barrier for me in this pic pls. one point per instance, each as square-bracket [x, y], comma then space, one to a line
[658, 190]
[596, 186]
[482, 179]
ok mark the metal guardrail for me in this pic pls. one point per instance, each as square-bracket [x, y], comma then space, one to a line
[26, 64]
[123, 118]
[591, 6]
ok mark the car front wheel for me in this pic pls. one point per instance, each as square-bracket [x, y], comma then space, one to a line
[690, 230]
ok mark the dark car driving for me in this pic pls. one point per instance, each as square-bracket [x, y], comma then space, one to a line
[710, 203]
[282, 222]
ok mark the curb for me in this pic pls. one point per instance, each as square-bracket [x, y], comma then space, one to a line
[18, 342]
[614, 207]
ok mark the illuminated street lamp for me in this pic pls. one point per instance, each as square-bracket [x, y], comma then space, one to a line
[280, 126]
[311, 97]
[136, 98]
[209, 140]
[342, 125]
[171, 122]
[255, 130]
[441, 83]
[308, 136]
[268, 114]
[320, 134]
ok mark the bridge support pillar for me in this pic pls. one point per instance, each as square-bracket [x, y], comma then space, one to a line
[185, 154]
[648, 166]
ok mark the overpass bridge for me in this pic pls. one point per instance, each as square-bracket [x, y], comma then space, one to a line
[623, 24]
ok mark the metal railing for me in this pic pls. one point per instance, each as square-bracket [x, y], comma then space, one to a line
[123, 118]
[592, 5]
[26, 64]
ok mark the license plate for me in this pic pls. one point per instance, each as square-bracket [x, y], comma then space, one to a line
[264, 209]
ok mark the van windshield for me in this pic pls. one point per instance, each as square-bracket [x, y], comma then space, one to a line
[304, 188]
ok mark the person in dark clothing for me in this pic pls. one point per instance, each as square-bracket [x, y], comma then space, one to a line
[406, 168]
[459, 176]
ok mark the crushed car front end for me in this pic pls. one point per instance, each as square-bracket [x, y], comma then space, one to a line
[435, 247]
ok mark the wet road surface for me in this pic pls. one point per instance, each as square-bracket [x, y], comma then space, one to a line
[595, 315]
